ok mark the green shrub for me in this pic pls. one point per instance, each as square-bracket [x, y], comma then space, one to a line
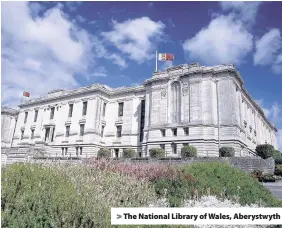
[129, 153]
[188, 151]
[67, 195]
[36, 196]
[226, 181]
[265, 150]
[277, 155]
[104, 153]
[278, 170]
[226, 152]
[157, 153]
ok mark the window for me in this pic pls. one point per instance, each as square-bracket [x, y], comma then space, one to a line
[174, 146]
[76, 150]
[22, 134]
[47, 132]
[62, 151]
[81, 129]
[174, 132]
[25, 117]
[120, 109]
[66, 151]
[80, 150]
[116, 153]
[32, 134]
[142, 120]
[52, 113]
[104, 109]
[67, 131]
[84, 110]
[162, 146]
[175, 102]
[119, 129]
[163, 132]
[35, 115]
[70, 110]
[53, 133]
[102, 131]
[186, 131]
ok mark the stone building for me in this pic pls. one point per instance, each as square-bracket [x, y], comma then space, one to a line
[207, 107]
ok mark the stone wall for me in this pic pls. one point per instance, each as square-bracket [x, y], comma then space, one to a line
[247, 164]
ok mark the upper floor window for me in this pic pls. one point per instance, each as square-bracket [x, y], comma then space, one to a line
[120, 109]
[175, 102]
[52, 113]
[104, 109]
[67, 131]
[163, 132]
[186, 131]
[35, 115]
[70, 110]
[84, 110]
[174, 132]
[119, 129]
[25, 117]
[81, 129]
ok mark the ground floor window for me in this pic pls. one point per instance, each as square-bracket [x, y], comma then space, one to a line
[116, 153]
[174, 148]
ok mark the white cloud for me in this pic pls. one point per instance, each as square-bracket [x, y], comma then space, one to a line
[100, 72]
[165, 65]
[80, 18]
[267, 48]
[245, 11]
[73, 5]
[41, 53]
[136, 37]
[224, 40]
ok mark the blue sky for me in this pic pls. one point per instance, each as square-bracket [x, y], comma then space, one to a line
[51, 45]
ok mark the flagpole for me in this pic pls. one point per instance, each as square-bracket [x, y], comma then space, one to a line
[156, 60]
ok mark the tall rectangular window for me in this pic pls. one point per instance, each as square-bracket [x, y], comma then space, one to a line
[162, 146]
[186, 130]
[80, 150]
[53, 134]
[120, 109]
[67, 131]
[174, 131]
[84, 110]
[119, 129]
[47, 132]
[102, 131]
[22, 134]
[32, 134]
[104, 109]
[142, 121]
[70, 110]
[52, 113]
[163, 132]
[25, 117]
[173, 146]
[35, 115]
[81, 129]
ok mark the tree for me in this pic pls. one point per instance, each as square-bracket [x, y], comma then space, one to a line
[157, 153]
[226, 152]
[129, 153]
[188, 151]
[104, 153]
[265, 151]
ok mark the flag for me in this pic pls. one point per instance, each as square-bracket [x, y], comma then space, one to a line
[26, 94]
[165, 57]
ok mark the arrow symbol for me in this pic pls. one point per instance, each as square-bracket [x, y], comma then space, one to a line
[119, 216]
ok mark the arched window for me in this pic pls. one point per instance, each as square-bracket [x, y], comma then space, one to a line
[175, 102]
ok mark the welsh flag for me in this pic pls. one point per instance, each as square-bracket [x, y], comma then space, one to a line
[26, 94]
[165, 57]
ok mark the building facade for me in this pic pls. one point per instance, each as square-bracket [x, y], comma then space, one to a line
[207, 107]
[8, 122]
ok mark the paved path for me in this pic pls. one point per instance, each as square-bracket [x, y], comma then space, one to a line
[275, 188]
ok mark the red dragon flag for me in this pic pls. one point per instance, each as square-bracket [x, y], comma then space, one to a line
[26, 94]
[165, 57]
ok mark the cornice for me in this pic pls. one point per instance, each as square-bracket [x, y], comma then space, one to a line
[9, 111]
